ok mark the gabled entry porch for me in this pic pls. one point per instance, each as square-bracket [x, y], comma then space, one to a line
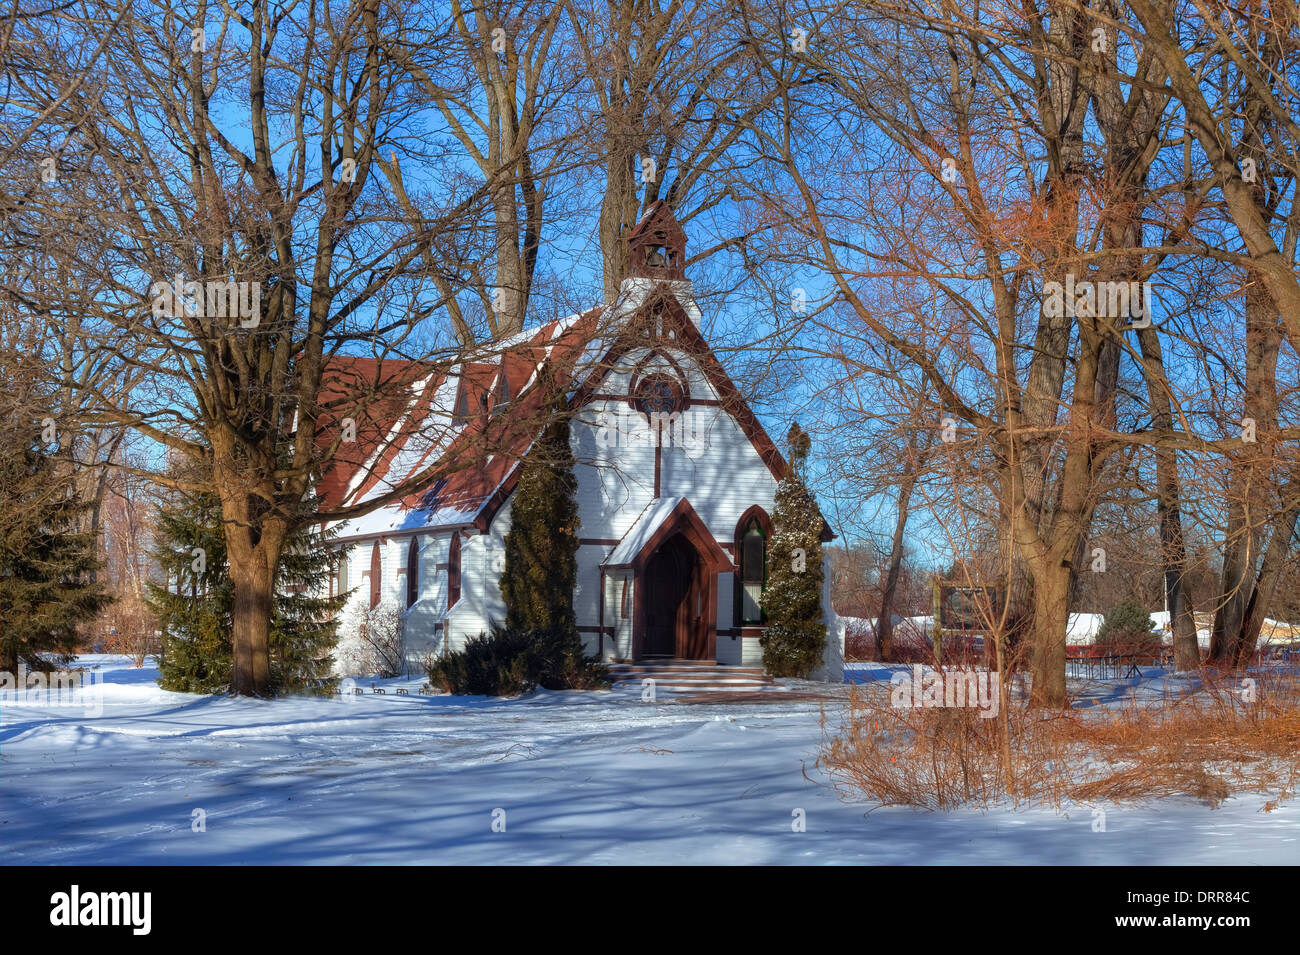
[675, 564]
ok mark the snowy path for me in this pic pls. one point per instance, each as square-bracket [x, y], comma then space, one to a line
[582, 777]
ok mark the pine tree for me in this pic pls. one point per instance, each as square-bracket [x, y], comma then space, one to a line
[1128, 624]
[45, 560]
[795, 637]
[196, 608]
[541, 566]
[304, 629]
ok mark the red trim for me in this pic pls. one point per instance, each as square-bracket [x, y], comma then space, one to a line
[643, 371]
[376, 572]
[412, 572]
[600, 616]
[453, 570]
[764, 521]
[737, 585]
[710, 561]
[659, 452]
[638, 618]
[683, 519]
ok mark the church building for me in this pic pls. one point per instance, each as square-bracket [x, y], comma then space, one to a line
[675, 480]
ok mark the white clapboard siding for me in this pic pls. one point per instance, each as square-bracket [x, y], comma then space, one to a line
[422, 634]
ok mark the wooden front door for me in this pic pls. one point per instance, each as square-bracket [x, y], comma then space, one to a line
[668, 577]
[692, 625]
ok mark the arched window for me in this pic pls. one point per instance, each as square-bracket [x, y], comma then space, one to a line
[461, 413]
[413, 572]
[751, 561]
[342, 575]
[453, 569]
[376, 572]
[503, 390]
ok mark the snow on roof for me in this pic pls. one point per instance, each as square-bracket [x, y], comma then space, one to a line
[407, 423]
[642, 529]
[397, 519]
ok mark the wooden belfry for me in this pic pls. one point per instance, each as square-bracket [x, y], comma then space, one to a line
[656, 246]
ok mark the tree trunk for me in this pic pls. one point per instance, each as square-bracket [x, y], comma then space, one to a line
[884, 625]
[1243, 535]
[1276, 557]
[618, 209]
[1173, 545]
[1053, 552]
[254, 597]
[1018, 613]
[510, 283]
[1051, 617]
[255, 535]
[1182, 622]
[1063, 111]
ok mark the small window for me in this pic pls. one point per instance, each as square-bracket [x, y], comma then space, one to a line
[453, 570]
[753, 572]
[503, 390]
[623, 600]
[461, 414]
[413, 573]
[376, 572]
[341, 574]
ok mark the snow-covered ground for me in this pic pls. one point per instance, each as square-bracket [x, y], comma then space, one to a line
[1082, 628]
[581, 777]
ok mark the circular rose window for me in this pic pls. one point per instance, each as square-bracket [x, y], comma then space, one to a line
[659, 394]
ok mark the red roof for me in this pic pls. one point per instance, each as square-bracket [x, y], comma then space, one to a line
[460, 470]
[468, 439]
[375, 394]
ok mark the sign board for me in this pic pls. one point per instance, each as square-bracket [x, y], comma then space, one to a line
[964, 608]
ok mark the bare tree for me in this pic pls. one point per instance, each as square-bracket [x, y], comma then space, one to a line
[244, 242]
[128, 626]
[495, 77]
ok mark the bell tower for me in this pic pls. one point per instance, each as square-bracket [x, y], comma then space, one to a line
[656, 246]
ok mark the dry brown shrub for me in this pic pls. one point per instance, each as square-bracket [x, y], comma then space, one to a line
[1207, 744]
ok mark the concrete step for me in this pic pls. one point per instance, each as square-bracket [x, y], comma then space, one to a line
[703, 688]
[692, 676]
[702, 684]
[755, 672]
[667, 678]
[723, 674]
[691, 664]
